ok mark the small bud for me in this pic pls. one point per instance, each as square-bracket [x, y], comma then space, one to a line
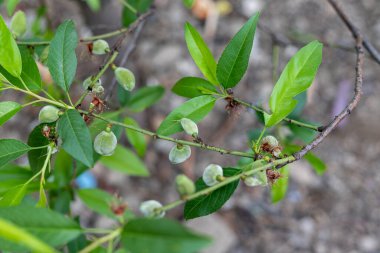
[98, 89]
[149, 209]
[105, 143]
[211, 174]
[189, 126]
[100, 47]
[179, 154]
[18, 23]
[88, 83]
[184, 185]
[48, 114]
[125, 78]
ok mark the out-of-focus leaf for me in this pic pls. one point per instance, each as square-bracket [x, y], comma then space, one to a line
[145, 97]
[136, 139]
[280, 187]
[7, 110]
[10, 58]
[193, 87]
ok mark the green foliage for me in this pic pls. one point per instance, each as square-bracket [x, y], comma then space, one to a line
[37, 157]
[11, 149]
[210, 203]
[188, 3]
[136, 139]
[318, 165]
[10, 58]
[280, 187]
[12, 175]
[161, 236]
[7, 110]
[195, 109]
[30, 74]
[11, 6]
[94, 4]
[132, 8]
[233, 62]
[125, 161]
[297, 76]
[76, 139]
[62, 61]
[200, 53]
[98, 200]
[50, 227]
[193, 87]
[144, 98]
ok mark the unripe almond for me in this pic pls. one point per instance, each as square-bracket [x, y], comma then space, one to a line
[18, 23]
[179, 154]
[100, 47]
[189, 126]
[48, 114]
[149, 209]
[211, 174]
[105, 143]
[125, 78]
[88, 83]
[184, 185]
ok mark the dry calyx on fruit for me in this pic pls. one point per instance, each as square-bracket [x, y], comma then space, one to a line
[105, 142]
[270, 144]
[125, 78]
[96, 86]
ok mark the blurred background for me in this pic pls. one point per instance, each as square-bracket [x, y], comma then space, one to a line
[336, 212]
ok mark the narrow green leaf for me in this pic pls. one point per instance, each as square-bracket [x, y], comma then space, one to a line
[19, 236]
[37, 157]
[280, 187]
[195, 109]
[233, 62]
[145, 97]
[11, 6]
[11, 149]
[200, 53]
[50, 227]
[297, 77]
[7, 110]
[13, 196]
[12, 175]
[94, 4]
[125, 161]
[10, 58]
[129, 15]
[161, 236]
[98, 200]
[136, 139]
[193, 87]
[62, 61]
[76, 137]
[63, 169]
[188, 3]
[30, 73]
[318, 165]
[212, 202]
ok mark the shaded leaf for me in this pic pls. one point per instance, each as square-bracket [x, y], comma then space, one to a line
[212, 202]
[11, 149]
[37, 157]
[145, 97]
[30, 73]
[7, 110]
[280, 187]
[195, 109]
[98, 201]
[233, 62]
[318, 165]
[193, 87]
[136, 139]
[12, 175]
[129, 16]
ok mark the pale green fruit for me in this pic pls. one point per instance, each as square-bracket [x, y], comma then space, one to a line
[258, 179]
[179, 154]
[48, 114]
[100, 47]
[148, 209]
[211, 174]
[270, 140]
[125, 78]
[18, 23]
[105, 143]
[189, 126]
[184, 185]
[98, 89]
[87, 83]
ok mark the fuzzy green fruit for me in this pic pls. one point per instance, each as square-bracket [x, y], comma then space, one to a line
[88, 83]
[148, 209]
[189, 126]
[105, 143]
[48, 114]
[100, 47]
[179, 154]
[125, 78]
[18, 23]
[211, 174]
[184, 185]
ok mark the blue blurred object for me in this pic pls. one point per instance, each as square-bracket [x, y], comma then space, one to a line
[86, 180]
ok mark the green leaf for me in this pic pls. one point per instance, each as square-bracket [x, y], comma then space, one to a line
[99, 125]
[297, 77]
[129, 16]
[301, 102]
[63, 169]
[280, 187]
[97, 200]
[212, 202]
[125, 161]
[233, 62]
[12, 175]
[10, 58]
[145, 97]
[11, 149]
[123, 95]
[200, 53]
[318, 165]
[161, 236]
[7, 110]
[62, 61]
[94, 5]
[76, 137]
[190, 87]
[19, 236]
[303, 133]
[30, 73]
[11, 6]
[136, 139]
[188, 3]
[50, 227]
[13, 196]
[195, 109]
[37, 157]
